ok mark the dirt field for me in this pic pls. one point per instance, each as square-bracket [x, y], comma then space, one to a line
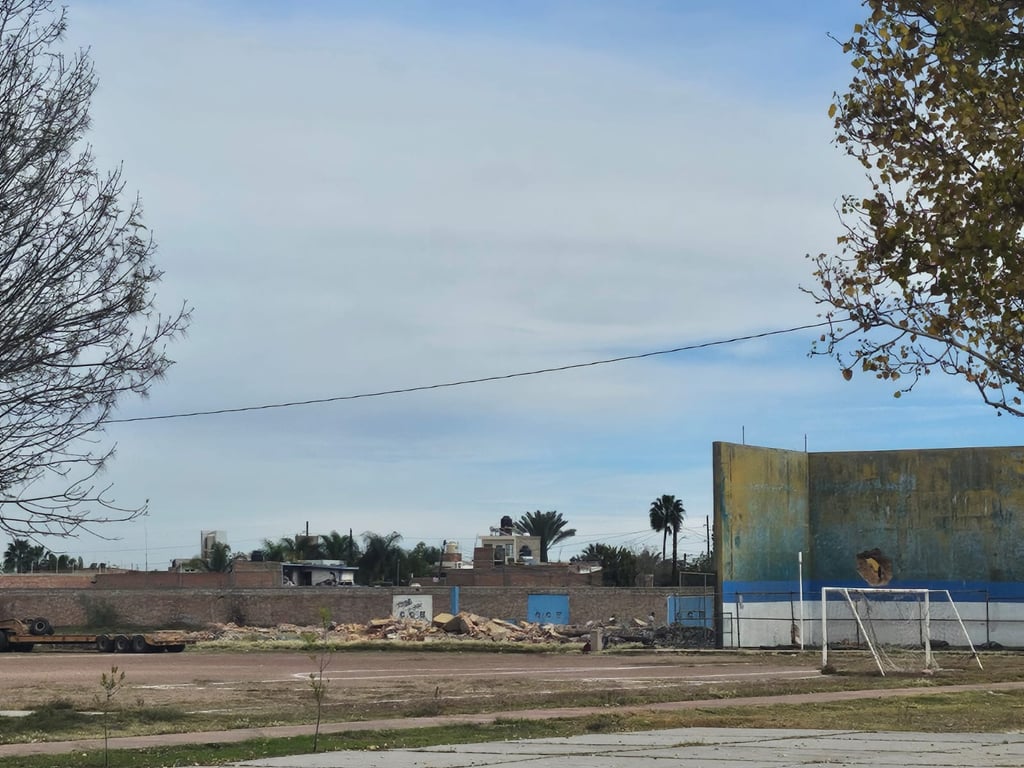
[376, 683]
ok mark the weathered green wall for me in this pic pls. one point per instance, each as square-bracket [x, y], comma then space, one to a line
[946, 515]
[761, 511]
[950, 515]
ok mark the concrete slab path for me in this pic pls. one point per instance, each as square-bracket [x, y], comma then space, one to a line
[695, 748]
[686, 747]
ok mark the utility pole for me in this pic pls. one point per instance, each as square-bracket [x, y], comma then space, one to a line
[707, 531]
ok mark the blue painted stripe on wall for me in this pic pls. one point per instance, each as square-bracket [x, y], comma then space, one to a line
[784, 591]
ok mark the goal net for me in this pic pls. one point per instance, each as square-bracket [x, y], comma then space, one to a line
[892, 630]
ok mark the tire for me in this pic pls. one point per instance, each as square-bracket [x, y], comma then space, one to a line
[5, 644]
[175, 648]
[122, 644]
[40, 627]
[139, 644]
[104, 644]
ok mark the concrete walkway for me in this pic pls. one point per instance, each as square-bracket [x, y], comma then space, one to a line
[714, 747]
[695, 748]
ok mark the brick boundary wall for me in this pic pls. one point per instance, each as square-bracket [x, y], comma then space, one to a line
[197, 608]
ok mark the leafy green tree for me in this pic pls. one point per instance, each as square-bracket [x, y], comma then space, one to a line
[340, 547]
[647, 561]
[58, 563]
[79, 329]
[928, 276]
[702, 563]
[382, 558]
[669, 510]
[619, 567]
[423, 560]
[549, 526]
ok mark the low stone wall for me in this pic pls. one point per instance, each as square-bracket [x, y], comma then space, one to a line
[196, 608]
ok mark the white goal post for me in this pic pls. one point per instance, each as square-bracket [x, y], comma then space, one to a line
[899, 627]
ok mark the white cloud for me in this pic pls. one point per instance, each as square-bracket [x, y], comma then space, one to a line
[358, 205]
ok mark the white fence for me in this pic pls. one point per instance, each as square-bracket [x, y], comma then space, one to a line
[757, 619]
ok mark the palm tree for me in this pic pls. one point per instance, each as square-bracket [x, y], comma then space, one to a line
[659, 524]
[17, 556]
[291, 550]
[220, 557]
[381, 557]
[549, 526]
[668, 512]
[280, 551]
[342, 548]
[24, 557]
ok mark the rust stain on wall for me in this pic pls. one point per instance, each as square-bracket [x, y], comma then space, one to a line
[760, 511]
[949, 514]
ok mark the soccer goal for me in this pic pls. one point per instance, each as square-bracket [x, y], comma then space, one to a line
[899, 630]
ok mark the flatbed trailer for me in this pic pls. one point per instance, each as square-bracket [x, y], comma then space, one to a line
[24, 635]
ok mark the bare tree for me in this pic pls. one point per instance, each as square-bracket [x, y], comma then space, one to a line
[78, 326]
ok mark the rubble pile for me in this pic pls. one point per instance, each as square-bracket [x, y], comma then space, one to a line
[673, 636]
[470, 626]
[444, 626]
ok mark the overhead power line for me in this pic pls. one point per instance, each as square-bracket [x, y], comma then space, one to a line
[464, 382]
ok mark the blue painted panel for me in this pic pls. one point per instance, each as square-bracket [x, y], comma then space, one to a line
[783, 591]
[454, 600]
[691, 611]
[548, 609]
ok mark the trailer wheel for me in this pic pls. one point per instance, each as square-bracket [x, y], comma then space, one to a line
[122, 644]
[139, 644]
[104, 644]
[39, 627]
[5, 644]
[175, 648]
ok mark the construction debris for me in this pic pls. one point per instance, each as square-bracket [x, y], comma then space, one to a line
[443, 627]
[465, 626]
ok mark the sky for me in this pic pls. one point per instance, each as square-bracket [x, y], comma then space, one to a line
[356, 197]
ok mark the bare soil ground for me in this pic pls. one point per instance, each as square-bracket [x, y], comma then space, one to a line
[236, 694]
[365, 684]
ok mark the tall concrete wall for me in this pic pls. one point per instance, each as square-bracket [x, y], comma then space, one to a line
[952, 515]
[761, 511]
[949, 515]
[196, 608]
[949, 519]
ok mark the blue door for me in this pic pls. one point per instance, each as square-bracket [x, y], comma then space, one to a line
[547, 609]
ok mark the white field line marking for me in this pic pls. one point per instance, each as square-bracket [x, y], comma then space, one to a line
[574, 671]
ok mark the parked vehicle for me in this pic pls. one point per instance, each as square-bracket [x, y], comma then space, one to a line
[24, 634]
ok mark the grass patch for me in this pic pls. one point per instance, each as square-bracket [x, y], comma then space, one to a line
[261, 704]
[975, 711]
[59, 719]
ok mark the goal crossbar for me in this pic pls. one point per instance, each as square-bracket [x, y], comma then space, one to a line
[877, 653]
